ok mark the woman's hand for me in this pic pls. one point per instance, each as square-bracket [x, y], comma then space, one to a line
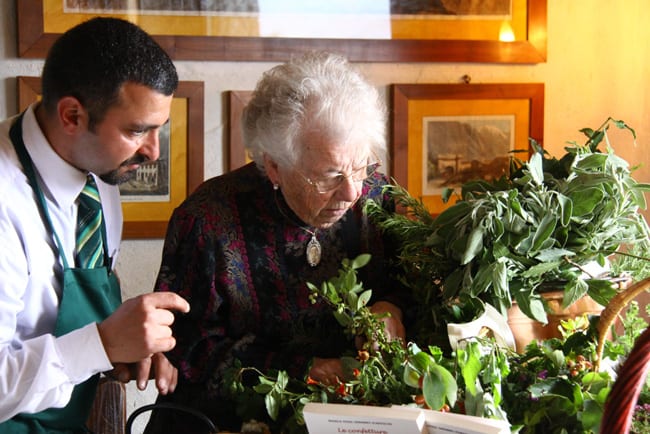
[326, 371]
[155, 367]
[393, 326]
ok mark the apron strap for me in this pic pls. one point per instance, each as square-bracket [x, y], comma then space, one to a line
[16, 135]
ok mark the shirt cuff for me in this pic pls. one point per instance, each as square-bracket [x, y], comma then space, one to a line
[82, 353]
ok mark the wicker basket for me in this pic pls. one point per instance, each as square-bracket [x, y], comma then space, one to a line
[624, 395]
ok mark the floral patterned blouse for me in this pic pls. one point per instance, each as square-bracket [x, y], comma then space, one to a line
[240, 262]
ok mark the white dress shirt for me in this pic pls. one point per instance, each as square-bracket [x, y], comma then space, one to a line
[38, 370]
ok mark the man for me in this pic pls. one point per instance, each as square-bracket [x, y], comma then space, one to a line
[107, 90]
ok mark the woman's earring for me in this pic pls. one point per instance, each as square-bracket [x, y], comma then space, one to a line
[276, 187]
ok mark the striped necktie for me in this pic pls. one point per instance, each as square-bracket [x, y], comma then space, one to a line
[90, 249]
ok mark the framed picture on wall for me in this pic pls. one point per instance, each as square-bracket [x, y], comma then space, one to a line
[506, 31]
[237, 100]
[444, 135]
[159, 187]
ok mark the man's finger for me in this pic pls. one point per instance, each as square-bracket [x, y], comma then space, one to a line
[168, 300]
[143, 368]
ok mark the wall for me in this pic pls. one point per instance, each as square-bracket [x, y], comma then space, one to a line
[598, 65]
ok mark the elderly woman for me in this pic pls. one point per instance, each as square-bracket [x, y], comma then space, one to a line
[243, 246]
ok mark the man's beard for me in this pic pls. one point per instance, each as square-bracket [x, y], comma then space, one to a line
[116, 177]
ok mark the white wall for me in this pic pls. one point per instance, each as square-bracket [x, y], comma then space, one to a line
[598, 65]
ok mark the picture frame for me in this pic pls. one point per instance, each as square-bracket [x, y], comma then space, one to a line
[453, 46]
[237, 100]
[148, 219]
[463, 129]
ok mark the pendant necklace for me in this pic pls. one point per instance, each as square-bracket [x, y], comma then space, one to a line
[313, 250]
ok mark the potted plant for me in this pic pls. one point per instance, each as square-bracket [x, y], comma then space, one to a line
[538, 228]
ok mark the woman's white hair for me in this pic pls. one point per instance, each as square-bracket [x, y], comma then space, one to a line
[316, 91]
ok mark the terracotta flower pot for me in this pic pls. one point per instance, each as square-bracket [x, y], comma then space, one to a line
[526, 329]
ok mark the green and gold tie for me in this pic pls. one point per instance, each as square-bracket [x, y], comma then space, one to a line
[90, 249]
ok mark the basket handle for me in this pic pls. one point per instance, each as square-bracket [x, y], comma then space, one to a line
[171, 406]
[611, 311]
[622, 399]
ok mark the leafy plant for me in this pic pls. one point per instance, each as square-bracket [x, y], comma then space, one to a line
[533, 230]
[384, 372]
[550, 388]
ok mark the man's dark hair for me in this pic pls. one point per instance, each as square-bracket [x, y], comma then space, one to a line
[92, 61]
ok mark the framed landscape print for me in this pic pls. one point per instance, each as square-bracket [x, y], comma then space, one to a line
[444, 135]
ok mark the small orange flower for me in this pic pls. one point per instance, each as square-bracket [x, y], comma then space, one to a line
[311, 381]
[356, 372]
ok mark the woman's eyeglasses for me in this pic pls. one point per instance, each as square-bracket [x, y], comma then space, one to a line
[329, 183]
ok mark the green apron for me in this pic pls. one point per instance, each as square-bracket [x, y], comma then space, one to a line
[88, 295]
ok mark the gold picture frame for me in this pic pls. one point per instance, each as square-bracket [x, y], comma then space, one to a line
[456, 126]
[144, 219]
[459, 41]
[237, 100]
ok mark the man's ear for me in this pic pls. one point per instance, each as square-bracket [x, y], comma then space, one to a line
[72, 115]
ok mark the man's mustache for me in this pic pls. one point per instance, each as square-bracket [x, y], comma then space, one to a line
[136, 159]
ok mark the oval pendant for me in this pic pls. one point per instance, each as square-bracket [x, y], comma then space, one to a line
[313, 251]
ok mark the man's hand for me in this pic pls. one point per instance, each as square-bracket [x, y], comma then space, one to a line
[156, 366]
[140, 327]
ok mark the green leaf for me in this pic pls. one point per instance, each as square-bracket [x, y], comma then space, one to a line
[352, 299]
[420, 361]
[262, 389]
[342, 318]
[500, 279]
[573, 291]
[585, 201]
[544, 230]
[411, 376]
[471, 368]
[474, 245]
[272, 403]
[536, 169]
[591, 416]
[361, 261]
[566, 209]
[364, 298]
[452, 214]
[601, 290]
[532, 306]
[446, 194]
[282, 380]
[543, 267]
[438, 387]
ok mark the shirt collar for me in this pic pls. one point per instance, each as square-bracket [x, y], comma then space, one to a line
[61, 180]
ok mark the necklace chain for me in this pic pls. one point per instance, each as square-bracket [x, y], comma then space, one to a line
[314, 249]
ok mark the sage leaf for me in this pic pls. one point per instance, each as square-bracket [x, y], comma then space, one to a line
[544, 230]
[541, 268]
[536, 169]
[474, 245]
[584, 201]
